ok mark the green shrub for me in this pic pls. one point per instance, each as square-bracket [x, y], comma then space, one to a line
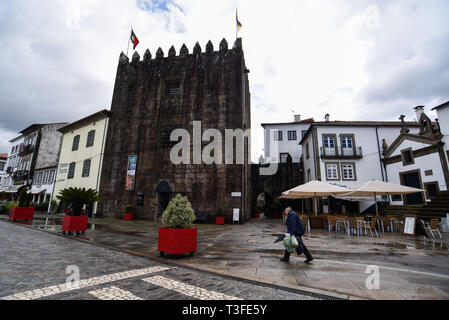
[220, 212]
[129, 208]
[78, 197]
[9, 206]
[179, 213]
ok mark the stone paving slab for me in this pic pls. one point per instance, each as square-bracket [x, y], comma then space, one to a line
[247, 251]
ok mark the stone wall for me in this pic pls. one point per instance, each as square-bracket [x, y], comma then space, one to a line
[152, 98]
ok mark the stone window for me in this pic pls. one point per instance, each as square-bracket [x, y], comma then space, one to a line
[309, 175]
[307, 151]
[71, 170]
[407, 157]
[332, 172]
[90, 138]
[51, 177]
[278, 136]
[348, 171]
[76, 142]
[291, 135]
[346, 142]
[172, 87]
[45, 177]
[86, 168]
[39, 178]
[329, 142]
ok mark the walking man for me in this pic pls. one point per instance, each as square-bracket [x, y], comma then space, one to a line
[295, 228]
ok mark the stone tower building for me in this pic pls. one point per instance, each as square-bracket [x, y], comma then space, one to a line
[152, 98]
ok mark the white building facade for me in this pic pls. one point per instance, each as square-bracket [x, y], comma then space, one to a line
[282, 140]
[81, 156]
[12, 166]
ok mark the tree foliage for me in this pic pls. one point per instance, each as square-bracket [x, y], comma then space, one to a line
[179, 213]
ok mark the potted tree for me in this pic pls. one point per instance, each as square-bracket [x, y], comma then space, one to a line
[23, 211]
[177, 236]
[75, 219]
[129, 212]
[220, 219]
[257, 212]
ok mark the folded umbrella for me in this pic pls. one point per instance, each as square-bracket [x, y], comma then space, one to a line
[280, 238]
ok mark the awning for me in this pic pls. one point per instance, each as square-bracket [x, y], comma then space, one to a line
[12, 189]
[3, 190]
[37, 191]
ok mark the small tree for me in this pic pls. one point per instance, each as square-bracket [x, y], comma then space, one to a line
[179, 213]
[220, 212]
[129, 208]
[24, 198]
[78, 197]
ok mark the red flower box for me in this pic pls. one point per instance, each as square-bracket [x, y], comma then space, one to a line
[128, 216]
[256, 214]
[276, 215]
[21, 213]
[74, 223]
[219, 220]
[177, 241]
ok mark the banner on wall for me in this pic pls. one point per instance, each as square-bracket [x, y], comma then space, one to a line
[131, 172]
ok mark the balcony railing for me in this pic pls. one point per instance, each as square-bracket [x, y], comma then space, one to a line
[29, 148]
[20, 175]
[341, 153]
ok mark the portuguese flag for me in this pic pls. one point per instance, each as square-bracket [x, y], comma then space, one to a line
[134, 39]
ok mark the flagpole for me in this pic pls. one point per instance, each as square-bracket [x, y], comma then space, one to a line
[129, 39]
[236, 26]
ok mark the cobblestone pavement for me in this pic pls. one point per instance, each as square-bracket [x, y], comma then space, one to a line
[33, 265]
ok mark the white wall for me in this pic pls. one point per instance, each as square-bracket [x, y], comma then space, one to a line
[285, 146]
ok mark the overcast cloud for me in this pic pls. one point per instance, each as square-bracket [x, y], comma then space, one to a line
[356, 60]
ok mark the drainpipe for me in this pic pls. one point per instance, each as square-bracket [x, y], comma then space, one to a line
[380, 157]
[100, 166]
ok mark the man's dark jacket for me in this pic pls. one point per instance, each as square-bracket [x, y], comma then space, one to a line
[294, 224]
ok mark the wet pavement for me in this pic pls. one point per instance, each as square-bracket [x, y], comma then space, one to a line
[410, 268]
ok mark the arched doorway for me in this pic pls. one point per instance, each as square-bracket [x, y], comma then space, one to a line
[163, 196]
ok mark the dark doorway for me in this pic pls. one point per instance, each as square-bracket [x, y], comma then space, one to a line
[412, 179]
[163, 196]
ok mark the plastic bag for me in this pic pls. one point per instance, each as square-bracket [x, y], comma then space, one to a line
[288, 242]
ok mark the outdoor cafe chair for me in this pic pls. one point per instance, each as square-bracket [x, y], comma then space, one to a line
[356, 226]
[332, 223]
[305, 222]
[370, 226]
[432, 227]
[386, 223]
[342, 221]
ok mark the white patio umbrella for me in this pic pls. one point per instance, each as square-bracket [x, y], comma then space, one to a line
[314, 189]
[380, 188]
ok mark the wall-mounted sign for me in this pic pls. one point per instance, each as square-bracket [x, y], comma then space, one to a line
[236, 194]
[131, 172]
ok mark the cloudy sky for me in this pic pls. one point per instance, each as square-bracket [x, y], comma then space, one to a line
[356, 60]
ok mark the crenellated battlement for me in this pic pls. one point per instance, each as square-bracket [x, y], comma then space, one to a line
[184, 52]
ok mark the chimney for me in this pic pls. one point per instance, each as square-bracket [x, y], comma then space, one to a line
[326, 117]
[419, 110]
[297, 117]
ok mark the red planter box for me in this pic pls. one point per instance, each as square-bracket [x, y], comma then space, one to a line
[74, 223]
[177, 241]
[276, 215]
[256, 214]
[25, 213]
[128, 216]
[219, 220]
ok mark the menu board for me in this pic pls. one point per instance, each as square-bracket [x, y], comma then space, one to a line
[236, 215]
[410, 225]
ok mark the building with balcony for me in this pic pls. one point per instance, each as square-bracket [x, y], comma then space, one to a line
[33, 159]
[7, 188]
[348, 153]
